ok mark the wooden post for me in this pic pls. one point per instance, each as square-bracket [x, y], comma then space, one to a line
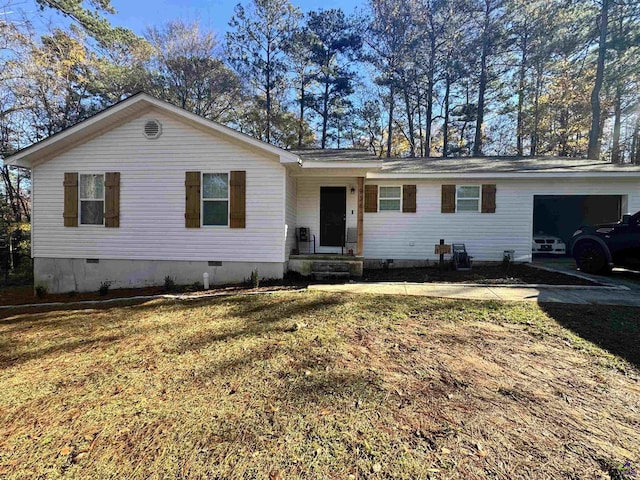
[360, 217]
[442, 255]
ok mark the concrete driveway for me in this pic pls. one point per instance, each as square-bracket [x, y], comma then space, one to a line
[621, 287]
[618, 277]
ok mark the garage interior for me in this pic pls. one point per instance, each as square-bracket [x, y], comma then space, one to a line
[561, 215]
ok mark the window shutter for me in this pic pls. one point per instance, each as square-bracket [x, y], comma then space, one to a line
[488, 199]
[409, 198]
[70, 199]
[448, 199]
[192, 205]
[112, 200]
[371, 198]
[237, 196]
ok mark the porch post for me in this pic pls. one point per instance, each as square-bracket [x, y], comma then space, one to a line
[360, 218]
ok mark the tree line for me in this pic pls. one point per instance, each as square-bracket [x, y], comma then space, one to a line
[411, 78]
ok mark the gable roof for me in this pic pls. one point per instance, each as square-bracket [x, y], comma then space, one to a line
[118, 114]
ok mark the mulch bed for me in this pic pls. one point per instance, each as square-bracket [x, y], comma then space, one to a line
[490, 275]
[484, 274]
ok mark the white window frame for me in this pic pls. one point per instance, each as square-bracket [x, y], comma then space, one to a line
[202, 199]
[80, 199]
[478, 198]
[380, 198]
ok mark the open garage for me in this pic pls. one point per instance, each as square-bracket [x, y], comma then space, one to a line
[561, 215]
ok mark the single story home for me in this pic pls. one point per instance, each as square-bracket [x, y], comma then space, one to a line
[145, 190]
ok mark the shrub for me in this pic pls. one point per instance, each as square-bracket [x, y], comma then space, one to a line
[255, 279]
[169, 284]
[41, 291]
[506, 263]
[104, 288]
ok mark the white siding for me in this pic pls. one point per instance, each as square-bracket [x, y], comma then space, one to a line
[413, 235]
[291, 213]
[152, 199]
[309, 205]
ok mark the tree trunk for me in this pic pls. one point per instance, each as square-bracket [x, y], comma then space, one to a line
[325, 113]
[390, 125]
[615, 150]
[445, 124]
[420, 132]
[268, 94]
[635, 144]
[430, 80]
[477, 143]
[523, 69]
[595, 132]
[301, 119]
[536, 113]
[407, 105]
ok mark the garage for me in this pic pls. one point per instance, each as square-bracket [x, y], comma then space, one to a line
[561, 215]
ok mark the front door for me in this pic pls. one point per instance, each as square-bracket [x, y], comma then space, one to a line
[333, 211]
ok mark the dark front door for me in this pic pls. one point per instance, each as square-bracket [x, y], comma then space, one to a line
[333, 210]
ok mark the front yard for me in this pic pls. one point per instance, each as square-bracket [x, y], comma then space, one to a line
[313, 385]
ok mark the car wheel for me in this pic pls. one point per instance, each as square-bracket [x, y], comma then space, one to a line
[591, 258]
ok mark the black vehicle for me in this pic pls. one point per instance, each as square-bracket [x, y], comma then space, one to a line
[599, 248]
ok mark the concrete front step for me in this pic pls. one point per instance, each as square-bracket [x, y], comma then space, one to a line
[322, 276]
[330, 267]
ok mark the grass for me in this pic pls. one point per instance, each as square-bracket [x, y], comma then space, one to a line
[315, 385]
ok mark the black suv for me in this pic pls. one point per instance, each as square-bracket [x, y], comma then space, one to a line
[599, 248]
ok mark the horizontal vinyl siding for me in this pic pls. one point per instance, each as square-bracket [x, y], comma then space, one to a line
[309, 205]
[291, 214]
[486, 235]
[152, 198]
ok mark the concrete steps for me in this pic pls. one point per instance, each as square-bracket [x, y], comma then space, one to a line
[330, 270]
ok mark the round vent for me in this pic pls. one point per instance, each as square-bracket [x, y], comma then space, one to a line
[152, 129]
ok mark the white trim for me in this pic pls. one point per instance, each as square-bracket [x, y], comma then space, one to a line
[143, 98]
[479, 198]
[380, 198]
[490, 175]
[202, 199]
[80, 199]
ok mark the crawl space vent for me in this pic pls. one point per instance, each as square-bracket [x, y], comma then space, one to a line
[152, 129]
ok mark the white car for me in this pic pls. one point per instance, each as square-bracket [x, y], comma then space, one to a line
[543, 243]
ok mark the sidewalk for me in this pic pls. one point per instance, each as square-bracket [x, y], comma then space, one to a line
[579, 295]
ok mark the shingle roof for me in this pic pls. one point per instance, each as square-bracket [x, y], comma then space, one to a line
[538, 164]
[503, 165]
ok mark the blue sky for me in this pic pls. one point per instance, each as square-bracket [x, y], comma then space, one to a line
[215, 14]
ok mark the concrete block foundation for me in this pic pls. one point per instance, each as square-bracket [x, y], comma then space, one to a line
[60, 275]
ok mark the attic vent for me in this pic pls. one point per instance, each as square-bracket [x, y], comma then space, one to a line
[152, 129]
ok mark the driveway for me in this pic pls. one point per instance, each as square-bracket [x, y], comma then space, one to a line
[618, 277]
[621, 287]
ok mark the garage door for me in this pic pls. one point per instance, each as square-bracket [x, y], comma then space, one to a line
[561, 215]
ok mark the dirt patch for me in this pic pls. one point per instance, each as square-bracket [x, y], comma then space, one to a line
[25, 295]
[484, 274]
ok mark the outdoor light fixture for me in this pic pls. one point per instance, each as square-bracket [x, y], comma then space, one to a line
[353, 189]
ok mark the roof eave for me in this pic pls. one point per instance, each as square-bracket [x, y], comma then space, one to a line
[505, 175]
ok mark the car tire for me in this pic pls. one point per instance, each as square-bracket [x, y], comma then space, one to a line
[591, 258]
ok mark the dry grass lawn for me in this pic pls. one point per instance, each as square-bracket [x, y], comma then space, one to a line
[367, 387]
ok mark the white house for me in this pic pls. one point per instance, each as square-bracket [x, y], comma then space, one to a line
[145, 190]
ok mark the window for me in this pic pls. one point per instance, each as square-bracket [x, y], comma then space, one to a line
[390, 198]
[468, 198]
[91, 199]
[215, 199]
